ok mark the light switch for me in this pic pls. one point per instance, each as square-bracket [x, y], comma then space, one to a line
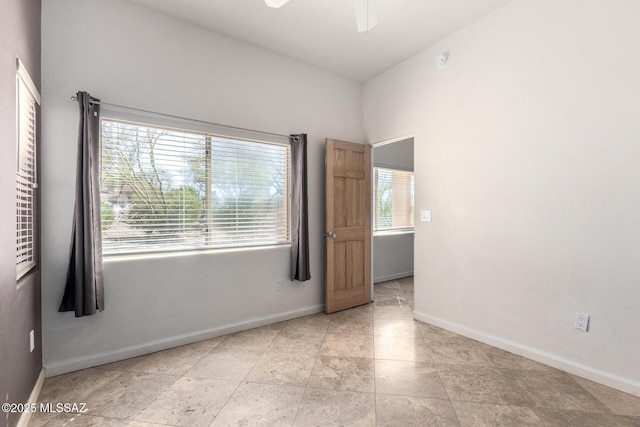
[425, 216]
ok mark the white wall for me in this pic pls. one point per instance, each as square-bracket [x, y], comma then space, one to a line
[127, 55]
[527, 149]
[393, 253]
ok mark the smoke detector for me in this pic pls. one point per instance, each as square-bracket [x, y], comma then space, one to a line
[442, 60]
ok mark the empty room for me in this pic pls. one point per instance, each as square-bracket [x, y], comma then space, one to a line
[336, 212]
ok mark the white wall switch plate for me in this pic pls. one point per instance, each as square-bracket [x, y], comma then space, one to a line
[425, 216]
[582, 321]
[32, 341]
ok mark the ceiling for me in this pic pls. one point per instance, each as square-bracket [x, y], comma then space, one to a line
[323, 32]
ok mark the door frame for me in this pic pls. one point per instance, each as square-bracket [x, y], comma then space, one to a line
[373, 147]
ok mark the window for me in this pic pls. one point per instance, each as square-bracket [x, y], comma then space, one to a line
[393, 200]
[28, 100]
[165, 189]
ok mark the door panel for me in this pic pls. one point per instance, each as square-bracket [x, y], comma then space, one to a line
[348, 215]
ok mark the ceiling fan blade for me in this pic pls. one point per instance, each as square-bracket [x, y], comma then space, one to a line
[276, 3]
[366, 15]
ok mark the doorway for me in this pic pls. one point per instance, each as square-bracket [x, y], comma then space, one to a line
[393, 221]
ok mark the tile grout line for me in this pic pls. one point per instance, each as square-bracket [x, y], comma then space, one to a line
[455, 413]
[306, 387]
[375, 383]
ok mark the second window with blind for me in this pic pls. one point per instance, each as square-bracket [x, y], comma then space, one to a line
[28, 100]
[168, 189]
[393, 200]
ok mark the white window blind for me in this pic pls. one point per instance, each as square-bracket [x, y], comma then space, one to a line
[26, 180]
[166, 189]
[393, 200]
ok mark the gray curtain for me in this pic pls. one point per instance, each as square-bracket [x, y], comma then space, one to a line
[84, 292]
[299, 209]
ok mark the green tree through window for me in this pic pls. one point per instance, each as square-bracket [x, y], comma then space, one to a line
[169, 189]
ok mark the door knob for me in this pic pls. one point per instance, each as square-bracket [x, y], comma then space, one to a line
[331, 235]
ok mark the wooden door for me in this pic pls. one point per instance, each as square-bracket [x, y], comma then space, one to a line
[348, 225]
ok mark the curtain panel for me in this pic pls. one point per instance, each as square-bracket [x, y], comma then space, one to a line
[299, 209]
[84, 292]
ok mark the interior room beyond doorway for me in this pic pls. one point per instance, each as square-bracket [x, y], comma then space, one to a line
[393, 221]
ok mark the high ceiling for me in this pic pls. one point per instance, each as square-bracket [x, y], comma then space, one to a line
[323, 32]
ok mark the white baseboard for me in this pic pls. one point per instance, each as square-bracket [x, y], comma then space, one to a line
[395, 276]
[553, 360]
[97, 359]
[25, 417]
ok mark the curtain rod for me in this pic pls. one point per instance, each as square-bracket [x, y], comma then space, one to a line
[75, 98]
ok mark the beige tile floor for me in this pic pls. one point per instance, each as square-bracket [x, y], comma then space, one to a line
[371, 365]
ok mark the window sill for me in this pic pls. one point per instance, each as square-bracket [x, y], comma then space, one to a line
[196, 252]
[392, 233]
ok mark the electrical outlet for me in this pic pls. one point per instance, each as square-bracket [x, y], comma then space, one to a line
[425, 216]
[279, 285]
[582, 321]
[32, 341]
